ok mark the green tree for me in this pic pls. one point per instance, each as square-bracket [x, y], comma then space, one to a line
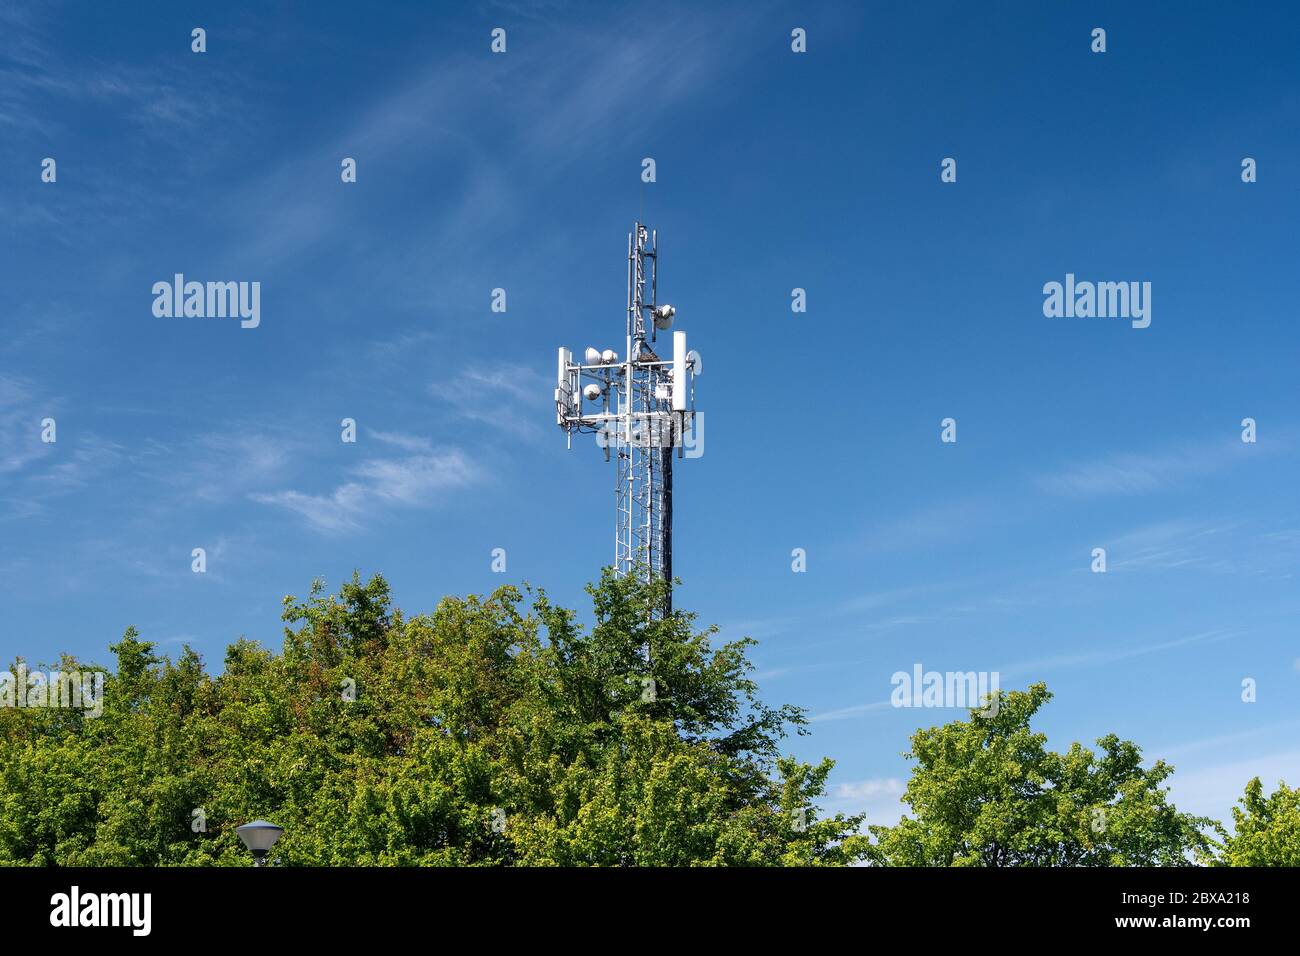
[987, 792]
[1266, 829]
[484, 733]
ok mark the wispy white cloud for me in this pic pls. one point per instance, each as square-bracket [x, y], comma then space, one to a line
[1230, 741]
[215, 467]
[605, 76]
[35, 470]
[167, 107]
[936, 523]
[1035, 668]
[517, 382]
[513, 398]
[1205, 545]
[857, 710]
[1174, 544]
[87, 457]
[1112, 655]
[1135, 474]
[895, 621]
[412, 443]
[158, 97]
[586, 95]
[877, 599]
[805, 619]
[20, 443]
[414, 481]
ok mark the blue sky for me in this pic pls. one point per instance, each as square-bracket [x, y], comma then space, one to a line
[775, 170]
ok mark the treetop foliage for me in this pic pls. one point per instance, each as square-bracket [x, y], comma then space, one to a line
[987, 792]
[487, 732]
[499, 731]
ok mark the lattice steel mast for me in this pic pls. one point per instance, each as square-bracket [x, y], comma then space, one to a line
[642, 408]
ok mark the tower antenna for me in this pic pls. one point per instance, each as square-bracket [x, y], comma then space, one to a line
[640, 410]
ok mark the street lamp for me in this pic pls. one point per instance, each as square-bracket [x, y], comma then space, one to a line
[259, 836]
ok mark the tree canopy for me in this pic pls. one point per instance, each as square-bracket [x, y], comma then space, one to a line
[1266, 829]
[987, 792]
[500, 731]
[487, 732]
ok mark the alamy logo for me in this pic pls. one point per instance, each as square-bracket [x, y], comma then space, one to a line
[1104, 300]
[209, 300]
[686, 434]
[103, 909]
[659, 433]
[82, 690]
[976, 690]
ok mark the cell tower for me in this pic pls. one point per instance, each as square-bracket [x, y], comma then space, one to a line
[642, 409]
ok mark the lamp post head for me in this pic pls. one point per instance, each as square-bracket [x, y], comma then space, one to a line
[259, 836]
